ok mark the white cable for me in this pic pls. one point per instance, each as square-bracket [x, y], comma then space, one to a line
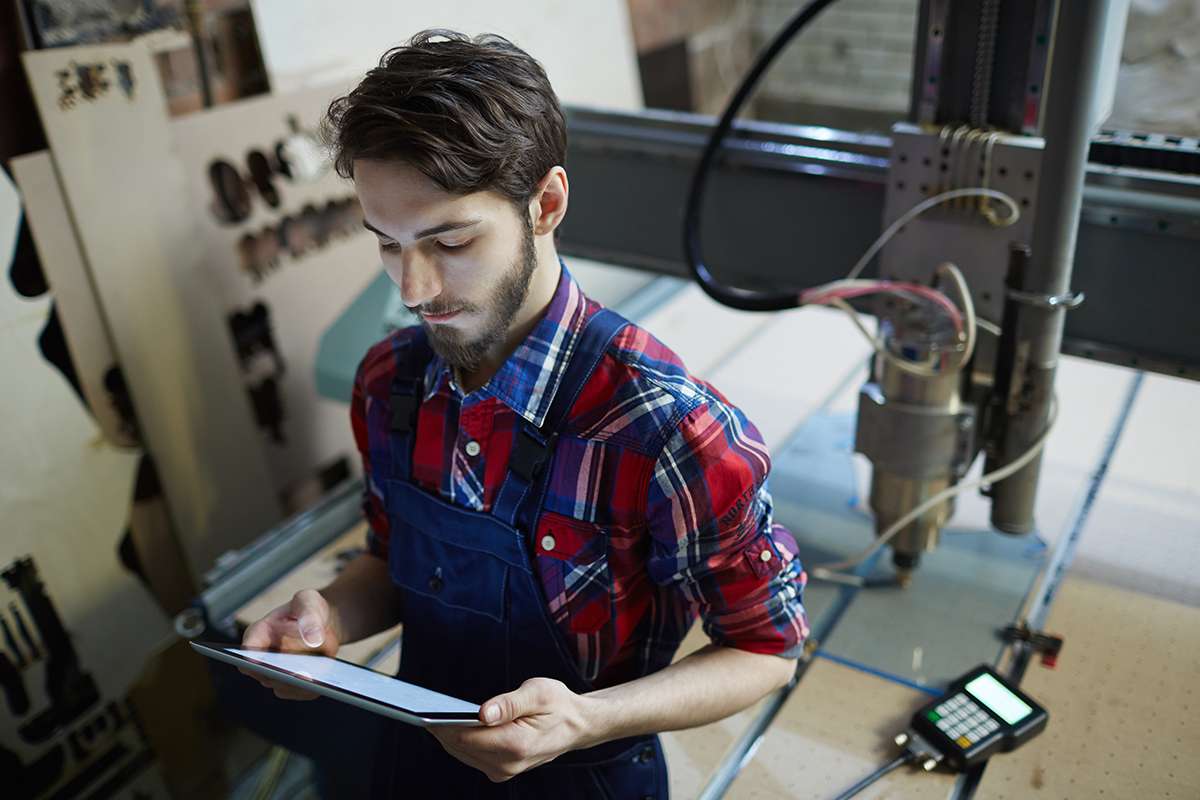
[989, 327]
[1014, 214]
[831, 571]
[968, 308]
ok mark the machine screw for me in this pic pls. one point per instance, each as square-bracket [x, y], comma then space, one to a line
[901, 739]
[929, 765]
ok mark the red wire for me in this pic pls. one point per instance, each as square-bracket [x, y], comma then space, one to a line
[888, 287]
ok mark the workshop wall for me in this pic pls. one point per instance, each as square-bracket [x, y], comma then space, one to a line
[586, 48]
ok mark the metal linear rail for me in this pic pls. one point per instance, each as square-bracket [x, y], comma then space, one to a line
[793, 206]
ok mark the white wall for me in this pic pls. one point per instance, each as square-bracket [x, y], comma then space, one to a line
[586, 47]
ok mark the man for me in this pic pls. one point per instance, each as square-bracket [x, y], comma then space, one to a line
[553, 499]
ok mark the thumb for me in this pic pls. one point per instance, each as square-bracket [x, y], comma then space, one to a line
[505, 708]
[309, 609]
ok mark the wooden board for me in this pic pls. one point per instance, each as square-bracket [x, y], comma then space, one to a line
[65, 492]
[312, 257]
[132, 214]
[835, 728]
[1124, 702]
[62, 260]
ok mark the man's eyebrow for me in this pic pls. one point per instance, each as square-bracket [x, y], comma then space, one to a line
[436, 229]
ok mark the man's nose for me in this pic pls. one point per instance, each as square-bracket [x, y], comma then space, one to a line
[419, 280]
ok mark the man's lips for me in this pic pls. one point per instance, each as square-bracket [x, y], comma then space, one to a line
[429, 317]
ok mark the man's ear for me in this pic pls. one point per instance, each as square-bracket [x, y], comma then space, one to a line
[549, 203]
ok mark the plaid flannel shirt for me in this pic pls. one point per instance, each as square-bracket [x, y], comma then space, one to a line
[657, 509]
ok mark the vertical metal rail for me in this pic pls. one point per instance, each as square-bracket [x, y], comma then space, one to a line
[1077, 48]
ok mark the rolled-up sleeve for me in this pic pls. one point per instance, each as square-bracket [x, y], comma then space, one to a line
[710, 517]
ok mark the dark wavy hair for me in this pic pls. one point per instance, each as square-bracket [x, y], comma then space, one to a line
[470, 113]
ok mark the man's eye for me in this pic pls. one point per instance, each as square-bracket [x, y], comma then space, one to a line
[388, 245]
[454, 246]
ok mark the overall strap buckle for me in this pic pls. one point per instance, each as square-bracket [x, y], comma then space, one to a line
[531, 451]
[406, 399]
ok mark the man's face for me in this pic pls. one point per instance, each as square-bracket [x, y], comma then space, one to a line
[463, 262]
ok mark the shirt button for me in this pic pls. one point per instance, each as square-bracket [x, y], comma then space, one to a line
[472, 448]
[547, 542]
[764, 556]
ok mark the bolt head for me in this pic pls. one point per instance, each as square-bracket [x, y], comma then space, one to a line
[929, 765]
[901, 739]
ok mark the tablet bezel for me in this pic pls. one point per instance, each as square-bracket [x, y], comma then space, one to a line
[223, 652]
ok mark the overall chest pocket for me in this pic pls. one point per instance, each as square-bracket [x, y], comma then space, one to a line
[572, 563]
[453, 576]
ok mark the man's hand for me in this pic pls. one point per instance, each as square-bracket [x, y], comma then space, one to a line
[522, 729]
[305, 625]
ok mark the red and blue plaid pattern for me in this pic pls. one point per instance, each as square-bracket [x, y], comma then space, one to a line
[657, 508]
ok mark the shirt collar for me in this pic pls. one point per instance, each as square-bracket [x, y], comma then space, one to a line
[529, 379]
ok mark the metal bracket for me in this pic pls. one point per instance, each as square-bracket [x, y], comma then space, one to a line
[1051, 302]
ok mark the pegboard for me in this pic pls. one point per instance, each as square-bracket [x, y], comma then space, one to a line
[1123, 702]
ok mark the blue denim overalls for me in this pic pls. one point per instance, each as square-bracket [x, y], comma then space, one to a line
[475, 618]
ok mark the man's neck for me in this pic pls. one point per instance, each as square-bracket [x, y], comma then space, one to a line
[541, 292]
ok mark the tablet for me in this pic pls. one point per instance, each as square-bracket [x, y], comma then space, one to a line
[349, 683]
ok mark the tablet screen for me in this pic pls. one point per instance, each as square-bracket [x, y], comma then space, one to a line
[363, 682]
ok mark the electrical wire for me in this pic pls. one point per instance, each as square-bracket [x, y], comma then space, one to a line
[968, 308]
[745, 299]
[965, 323]
[857, 288]
[832, 571]
[905, 758]
[904, 365]
[920, 208]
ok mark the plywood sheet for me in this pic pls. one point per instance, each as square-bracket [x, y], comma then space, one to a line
[64, 498]
[1124, 703]
[74, 297]
[280, 272]
[835, 728]
[110, 141]
[586, 48]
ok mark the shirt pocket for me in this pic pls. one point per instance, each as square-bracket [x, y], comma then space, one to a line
[762, 556]
[572, 563]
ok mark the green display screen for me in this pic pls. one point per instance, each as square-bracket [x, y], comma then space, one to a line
[993, 694]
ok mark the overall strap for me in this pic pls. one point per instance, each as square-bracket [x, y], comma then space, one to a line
[407, 390]
[533, 447]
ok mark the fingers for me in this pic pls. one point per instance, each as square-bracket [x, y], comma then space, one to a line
[264, 634]
[449, 741]
[311, 613]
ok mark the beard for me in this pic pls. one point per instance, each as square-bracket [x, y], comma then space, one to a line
[466, 355]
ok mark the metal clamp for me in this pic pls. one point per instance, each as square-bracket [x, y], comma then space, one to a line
[1052, 302]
